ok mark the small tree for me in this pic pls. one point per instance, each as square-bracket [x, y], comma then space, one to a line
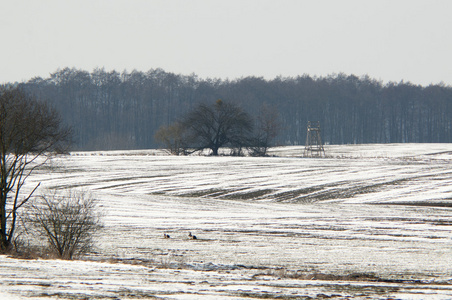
[213, 127]
[28, 130]
[173, 138]
[267, 128]
[68, 221]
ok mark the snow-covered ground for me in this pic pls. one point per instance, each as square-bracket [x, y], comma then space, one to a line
[367, 221]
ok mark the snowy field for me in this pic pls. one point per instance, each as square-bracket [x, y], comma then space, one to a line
[368, 221]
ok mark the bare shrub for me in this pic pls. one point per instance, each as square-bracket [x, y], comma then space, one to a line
[68, 221]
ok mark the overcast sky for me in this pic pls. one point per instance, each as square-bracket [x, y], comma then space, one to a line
[390, 40]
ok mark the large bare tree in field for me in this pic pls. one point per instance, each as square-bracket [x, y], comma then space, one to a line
[29, 132]
[213, 127]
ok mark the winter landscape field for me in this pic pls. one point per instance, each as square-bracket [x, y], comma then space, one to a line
[366, 222]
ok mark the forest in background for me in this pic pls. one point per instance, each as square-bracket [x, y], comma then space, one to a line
[122, 110]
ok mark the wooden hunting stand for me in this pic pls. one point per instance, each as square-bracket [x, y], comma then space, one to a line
[314, 145]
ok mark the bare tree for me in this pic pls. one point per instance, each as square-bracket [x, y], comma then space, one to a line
[28, 130]
[213, 127]
[68, 221]
[173, 138]
[267, 128]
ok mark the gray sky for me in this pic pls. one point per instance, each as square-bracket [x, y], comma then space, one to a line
[389, 40]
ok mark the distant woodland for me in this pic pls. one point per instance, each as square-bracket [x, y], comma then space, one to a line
[123, 110]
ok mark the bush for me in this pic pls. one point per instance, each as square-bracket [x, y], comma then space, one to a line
[68, 221]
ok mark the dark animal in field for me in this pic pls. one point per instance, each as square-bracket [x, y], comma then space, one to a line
[166, 236]
[191, 236]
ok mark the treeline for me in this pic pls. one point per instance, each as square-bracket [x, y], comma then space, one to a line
[113, 110]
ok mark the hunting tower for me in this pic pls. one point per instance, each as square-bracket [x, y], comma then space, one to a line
[314, 145]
